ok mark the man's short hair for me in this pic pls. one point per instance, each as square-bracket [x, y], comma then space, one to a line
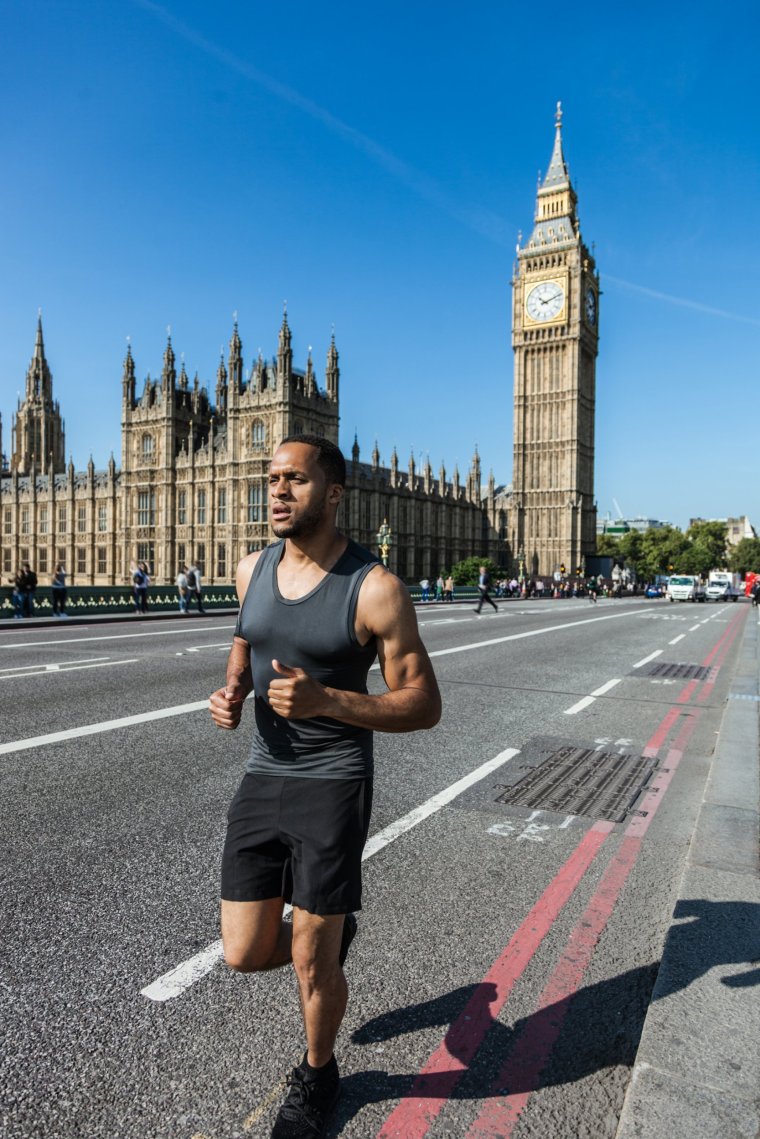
[329, 456]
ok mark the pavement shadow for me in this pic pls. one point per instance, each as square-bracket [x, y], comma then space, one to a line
[719, 933]
[598, 1026]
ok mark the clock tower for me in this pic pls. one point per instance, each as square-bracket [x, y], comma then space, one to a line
[555, 322]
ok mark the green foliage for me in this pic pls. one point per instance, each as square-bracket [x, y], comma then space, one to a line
[606, 545]
[668, 550]
[745, 556]
[467, 571]
[708, 547]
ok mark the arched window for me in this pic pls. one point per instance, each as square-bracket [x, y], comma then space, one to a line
[258, 436]
[147, 446]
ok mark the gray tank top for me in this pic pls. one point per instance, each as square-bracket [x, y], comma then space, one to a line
[316, 633]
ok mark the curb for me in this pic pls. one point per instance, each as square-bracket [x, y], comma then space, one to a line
[697, 1069]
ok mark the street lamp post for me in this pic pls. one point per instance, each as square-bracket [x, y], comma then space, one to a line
[521, 564]
[384, 539]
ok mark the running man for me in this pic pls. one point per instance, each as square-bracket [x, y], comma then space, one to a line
[316, 609]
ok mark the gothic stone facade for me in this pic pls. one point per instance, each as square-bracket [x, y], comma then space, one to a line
[192, 480]
[192, 485]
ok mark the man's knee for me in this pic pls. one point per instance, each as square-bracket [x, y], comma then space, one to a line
[246, 958]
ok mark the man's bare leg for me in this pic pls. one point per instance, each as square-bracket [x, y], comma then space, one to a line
[255, 936]
[322, 984]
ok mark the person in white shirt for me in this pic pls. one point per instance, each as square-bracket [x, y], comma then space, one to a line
[182, 590]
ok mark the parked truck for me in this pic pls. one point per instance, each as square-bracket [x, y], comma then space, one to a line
[723, 586]
[685, 587]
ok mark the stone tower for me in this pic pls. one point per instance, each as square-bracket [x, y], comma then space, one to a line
[555, 320]
[38, 435]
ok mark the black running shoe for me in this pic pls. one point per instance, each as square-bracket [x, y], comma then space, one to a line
[309, 1103]
[350, 926]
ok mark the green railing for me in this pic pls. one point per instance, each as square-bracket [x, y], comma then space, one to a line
[82, 600]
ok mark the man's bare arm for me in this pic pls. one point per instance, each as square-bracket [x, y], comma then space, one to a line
[226, 704]
[412, 702]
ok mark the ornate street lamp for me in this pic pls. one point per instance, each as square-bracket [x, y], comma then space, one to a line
[521, 564]
[384, 539]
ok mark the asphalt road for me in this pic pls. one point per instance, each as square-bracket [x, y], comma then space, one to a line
[506, 953]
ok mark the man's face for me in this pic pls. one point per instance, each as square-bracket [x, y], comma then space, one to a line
[299, 492]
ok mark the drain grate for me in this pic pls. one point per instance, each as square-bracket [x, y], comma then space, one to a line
[677, 671]
[583, 781]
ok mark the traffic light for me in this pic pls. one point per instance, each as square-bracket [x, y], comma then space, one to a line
[579, 570]
[562, 568]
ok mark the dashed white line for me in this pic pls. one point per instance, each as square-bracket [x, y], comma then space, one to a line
[605, 687]
[694, 628]
[677, 639]
[583, 703]
[646, 660]
[174, 982]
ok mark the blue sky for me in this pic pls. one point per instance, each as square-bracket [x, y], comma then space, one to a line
[170, 164]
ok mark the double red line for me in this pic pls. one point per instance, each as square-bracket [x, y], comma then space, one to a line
[523, 1065]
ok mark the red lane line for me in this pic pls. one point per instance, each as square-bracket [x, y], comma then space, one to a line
[436, 1081]
[412, 1117]
[531, 1053]
[534, 1046]
[729, 636]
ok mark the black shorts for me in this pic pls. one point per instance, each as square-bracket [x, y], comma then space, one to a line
[297, 839]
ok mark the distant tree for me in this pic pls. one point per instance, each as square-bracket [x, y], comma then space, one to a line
[707, 547]
[467, 571]
[607, 546]
[662, 551]
[630, 549]
[745, 556]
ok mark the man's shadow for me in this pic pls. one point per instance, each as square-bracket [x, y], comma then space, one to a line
[596, 1027]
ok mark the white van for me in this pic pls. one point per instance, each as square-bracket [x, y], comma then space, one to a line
[685, 587]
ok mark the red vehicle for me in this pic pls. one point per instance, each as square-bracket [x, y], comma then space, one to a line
[749, 581]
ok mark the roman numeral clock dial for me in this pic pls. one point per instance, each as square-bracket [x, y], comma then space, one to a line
[545, 301]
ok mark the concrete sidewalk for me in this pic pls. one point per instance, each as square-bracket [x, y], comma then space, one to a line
[697, 1070]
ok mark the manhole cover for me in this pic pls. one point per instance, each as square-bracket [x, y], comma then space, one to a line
[583, 781]
[677, 671]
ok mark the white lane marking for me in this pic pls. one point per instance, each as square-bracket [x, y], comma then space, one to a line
[694, 628]
[677, 639]
[605, 687]
[584, 703]
[646, 660]
[60, 664]
[115, 637]
[198, 705]
[59, 670]
[529, 633]
[174, 982]
[103, 726]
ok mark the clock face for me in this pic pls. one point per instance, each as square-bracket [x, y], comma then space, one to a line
[591, 306]
[545, 301]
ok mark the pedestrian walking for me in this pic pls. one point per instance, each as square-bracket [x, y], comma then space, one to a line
[484, 586]
[316, 608]
[439, 587]
[27, 584]
[756, 593]
[182, 590]
[18, 597]
[448, 590]
[58, 591]
[140, 583]
[425, 587]
[194, 587]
